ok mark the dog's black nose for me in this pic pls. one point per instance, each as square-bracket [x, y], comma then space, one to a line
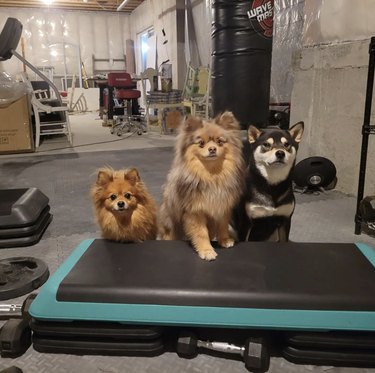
[121, 204]
[212, 149]
[280, 154]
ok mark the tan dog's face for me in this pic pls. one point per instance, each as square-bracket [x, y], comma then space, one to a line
[209, 143]
[210, 140]
[118, 194]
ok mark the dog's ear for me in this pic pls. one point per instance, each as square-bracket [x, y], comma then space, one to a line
[192, 123]
[296, 131]
[105, 176]
[132, 176]
[253, 133]
[228, 121]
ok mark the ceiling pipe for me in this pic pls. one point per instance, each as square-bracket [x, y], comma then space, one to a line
[121, 5]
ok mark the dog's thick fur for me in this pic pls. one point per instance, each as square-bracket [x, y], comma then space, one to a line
[204, 183]
[124, 209]
[266, 208]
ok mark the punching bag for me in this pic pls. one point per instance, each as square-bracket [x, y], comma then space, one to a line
[241, 59]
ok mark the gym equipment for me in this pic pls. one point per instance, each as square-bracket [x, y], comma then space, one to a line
[15, 337]
[21, 275]
[139, 302]
[367, 130]
[16, 311]
[314, 173]
[15, 334]
[12, 369]
[254, 353]
[24, 216]
[8, 311]
[367, 211]
[279, 115]
[241, 59]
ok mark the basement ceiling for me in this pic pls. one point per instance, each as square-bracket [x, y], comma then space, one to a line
[97, 5]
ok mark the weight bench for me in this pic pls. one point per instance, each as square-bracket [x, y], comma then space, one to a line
[312, 303]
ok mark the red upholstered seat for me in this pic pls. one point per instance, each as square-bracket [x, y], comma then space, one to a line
[128, 94]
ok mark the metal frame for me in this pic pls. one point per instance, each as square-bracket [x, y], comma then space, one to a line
[367, 129]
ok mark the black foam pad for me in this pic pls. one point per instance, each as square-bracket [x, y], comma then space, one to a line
[310, 276]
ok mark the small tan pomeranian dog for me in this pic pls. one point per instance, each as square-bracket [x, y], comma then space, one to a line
[204, 184]
[125, 211]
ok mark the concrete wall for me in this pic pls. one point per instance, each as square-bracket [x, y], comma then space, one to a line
[330, 86]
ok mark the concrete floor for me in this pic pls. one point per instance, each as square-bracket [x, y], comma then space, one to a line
[325, 217]
[89, 135]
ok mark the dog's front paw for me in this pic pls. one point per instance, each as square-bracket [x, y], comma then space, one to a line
[227, 243]
[208, 254]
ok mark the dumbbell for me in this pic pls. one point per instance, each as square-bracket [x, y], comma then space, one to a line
[12, 369]
[8, 311]
[254, 352]
[15, 334]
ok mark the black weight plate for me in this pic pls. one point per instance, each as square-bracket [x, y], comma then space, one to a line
[21, 275]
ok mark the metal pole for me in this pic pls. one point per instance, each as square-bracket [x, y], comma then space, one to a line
[366, 129]
[79, 66]
[65, 69]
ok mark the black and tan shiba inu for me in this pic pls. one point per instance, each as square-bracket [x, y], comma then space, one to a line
[266, 208]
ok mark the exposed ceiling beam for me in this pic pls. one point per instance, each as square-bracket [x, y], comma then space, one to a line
[90, 5]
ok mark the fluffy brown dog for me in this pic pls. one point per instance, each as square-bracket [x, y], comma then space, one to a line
[204, 183]
[124, 209]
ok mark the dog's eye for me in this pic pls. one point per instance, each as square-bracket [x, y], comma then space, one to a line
[266, 145]
[220, 141]
[127, 195]
[286, 145]
[201, 143]
[113, 197]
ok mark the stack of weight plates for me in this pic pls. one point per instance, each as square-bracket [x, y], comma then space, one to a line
[24, 216]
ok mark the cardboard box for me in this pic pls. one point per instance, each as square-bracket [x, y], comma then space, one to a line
[16, 135]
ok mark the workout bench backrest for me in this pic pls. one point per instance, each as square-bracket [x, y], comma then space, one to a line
[9, 38]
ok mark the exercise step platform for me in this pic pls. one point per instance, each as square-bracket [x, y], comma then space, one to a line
[309, 302]
[24, 216]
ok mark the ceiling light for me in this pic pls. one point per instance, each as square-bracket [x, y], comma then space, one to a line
[47, 2]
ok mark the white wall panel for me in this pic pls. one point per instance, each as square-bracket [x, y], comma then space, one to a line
[100, 33]
[86, 38]
[330, 21]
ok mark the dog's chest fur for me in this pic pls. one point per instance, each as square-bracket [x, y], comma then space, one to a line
[264, 205]
[212, 197]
